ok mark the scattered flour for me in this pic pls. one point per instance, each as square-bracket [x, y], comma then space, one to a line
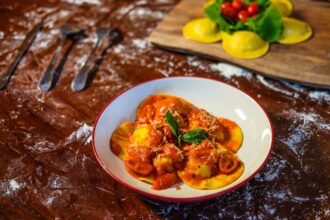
[317, 95]
[194, 61]
[146, 12]
[141, 43]
[14, 185]
[11, 187]
[44, 42]
[229, 71]
[118, 49]
[123, 10]
[80, 2]
[274, 88]
[298, 135]
[41, 146]
[83, 133]
[81, 60]
[164, 73]
[310, 118]
[296, 87]
[50, 200]
[320, 95]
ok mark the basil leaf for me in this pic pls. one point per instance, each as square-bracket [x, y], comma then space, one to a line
[179, 140]
[263, 4]
[194, 136]
[251, 24]
[172, 123]
[269, 25]
[213, 13]
[241, 26]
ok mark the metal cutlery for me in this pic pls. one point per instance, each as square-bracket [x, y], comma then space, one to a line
[5, 78]
[47, 78]
[80, 81]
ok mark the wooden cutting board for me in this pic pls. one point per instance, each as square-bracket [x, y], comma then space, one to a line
[307, 62]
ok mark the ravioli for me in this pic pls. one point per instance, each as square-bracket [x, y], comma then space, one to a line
[150, 100]
[244, 45]
[213, 182]
[147, 178]
[285, 7]
[201, 173]
[145, 136]
[294, 31]
[119, 141]
[233, 135]
[209, 2]
[164, 146]
[154, 107]
[202, 30]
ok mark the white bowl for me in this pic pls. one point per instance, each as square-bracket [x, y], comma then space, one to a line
[216, 97]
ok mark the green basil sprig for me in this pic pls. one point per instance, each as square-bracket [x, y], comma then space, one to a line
[172, 123]
[194, 136]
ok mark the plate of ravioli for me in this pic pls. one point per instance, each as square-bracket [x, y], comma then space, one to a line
[182, 139]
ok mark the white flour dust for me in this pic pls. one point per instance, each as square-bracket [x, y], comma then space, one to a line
[83, 133]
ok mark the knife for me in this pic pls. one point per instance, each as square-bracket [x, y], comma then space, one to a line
[5, 78]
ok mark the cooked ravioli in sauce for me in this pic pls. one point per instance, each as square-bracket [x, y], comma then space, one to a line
[172, 141]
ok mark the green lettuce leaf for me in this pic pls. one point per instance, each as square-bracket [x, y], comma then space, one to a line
[268, 25]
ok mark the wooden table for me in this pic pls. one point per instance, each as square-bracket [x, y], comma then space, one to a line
[47, 168]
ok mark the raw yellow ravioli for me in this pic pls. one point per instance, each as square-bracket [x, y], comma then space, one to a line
[285, 7]
[294, 31]
[244, 45]
[202, 30]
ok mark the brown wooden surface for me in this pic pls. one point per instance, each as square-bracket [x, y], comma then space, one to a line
[47, 166]
[307, 62]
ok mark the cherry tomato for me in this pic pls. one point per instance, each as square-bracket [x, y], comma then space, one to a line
[165, 181]
[225, 5]
[138, 166]
[228, 163]
[243, 15]
[168, 133]
[230, 14]
[253, 9]
[237, 5]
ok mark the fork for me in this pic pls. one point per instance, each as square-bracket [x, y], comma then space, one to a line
[47, 79]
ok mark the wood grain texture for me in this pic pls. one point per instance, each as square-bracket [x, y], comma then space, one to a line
[307, 62]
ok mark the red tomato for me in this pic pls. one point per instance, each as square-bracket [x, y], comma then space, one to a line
[230, 14]
[168, 133]
[253, 9]
[237, 5]
[165, 181]
[228, 163]
[243, 15]
[225, 5]
[139, 166]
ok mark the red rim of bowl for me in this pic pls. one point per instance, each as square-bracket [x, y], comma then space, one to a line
[171, 199]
